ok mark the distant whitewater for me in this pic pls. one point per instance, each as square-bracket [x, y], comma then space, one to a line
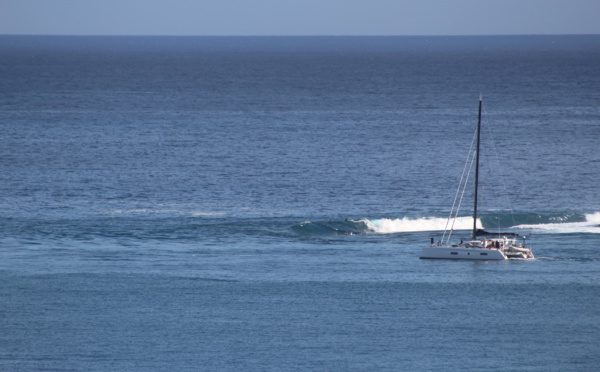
[540, 223]
[525, 222]
[390, 226]
[590, 224]
[381, 226]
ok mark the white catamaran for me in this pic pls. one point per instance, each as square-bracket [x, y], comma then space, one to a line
[483, 245]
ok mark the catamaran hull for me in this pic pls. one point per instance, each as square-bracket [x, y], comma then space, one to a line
[462, 253]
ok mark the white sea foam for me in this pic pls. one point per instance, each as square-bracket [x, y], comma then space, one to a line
[593, 218]
[590, 225]
[405, 224]
[389, 226]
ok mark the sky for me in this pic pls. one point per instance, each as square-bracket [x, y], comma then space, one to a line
[299, 17]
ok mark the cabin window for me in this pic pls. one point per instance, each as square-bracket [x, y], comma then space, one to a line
[453, 252]
[483, 254]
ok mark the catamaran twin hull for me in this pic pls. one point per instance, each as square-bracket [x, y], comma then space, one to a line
[462, 253]
[470, 251]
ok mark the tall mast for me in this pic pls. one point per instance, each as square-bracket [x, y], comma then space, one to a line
[477, 169]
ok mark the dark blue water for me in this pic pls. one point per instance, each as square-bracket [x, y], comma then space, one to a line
[258, 203]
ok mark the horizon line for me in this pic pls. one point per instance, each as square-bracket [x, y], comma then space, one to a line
[307, 35]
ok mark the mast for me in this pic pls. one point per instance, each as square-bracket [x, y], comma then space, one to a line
[477, 169]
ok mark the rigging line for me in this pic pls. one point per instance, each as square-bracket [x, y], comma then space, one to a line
[461, 196]
[501, 173]
[460, 185]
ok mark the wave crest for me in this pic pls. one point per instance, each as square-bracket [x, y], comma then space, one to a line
[560, 223]
[575, 223]
[379, 226]
[390, 226]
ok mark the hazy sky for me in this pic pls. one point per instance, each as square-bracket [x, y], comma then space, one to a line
[299, 17]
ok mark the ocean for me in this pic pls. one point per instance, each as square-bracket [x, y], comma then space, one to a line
[259, 203]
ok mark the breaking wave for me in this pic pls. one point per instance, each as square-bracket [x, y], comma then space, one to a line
[390, 226]
[586, 223]
[531, 222]
[378, 226]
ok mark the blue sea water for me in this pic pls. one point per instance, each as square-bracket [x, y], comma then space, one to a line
[259, 203]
